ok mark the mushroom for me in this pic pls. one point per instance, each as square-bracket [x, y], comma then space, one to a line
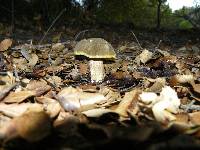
[97, 50]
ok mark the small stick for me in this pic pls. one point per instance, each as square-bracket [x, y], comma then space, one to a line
[76, 37]
[16, 73]
[52, 24]
[136, 39]
[158, 44]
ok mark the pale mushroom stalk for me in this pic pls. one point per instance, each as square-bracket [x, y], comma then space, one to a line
[97, 50]
[96, 70]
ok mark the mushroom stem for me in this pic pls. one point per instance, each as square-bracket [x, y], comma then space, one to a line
[96, 70]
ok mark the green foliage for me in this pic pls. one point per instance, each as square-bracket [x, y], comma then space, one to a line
[185, 25]
[140, 13]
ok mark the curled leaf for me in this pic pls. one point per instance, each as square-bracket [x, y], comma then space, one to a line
[168, 103]
[38, 87]
[128, 100]
[97, 112]
[17, 97]
[73, 99]
[5, 44]
[15, 110]
[31, 126]
[143, 57]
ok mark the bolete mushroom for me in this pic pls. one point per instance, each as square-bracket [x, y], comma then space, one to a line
[97, 50]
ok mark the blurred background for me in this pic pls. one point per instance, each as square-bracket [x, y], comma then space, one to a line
[171, 14]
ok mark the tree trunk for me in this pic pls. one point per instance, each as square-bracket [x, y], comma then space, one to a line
[158, 14]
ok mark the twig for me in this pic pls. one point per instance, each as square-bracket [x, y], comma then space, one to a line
[52, 24]
[77, 35]
[15, 73]
[158, 44]
[136, 39]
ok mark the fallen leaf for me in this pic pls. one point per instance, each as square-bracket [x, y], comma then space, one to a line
[25, 53]
[167, 103]
[143, 57]
[15, 110]
[5, 44]
[111, 96]
[33, 60]
[97, 112]
[4, 120]
[128, 100]
[148, 97]
[58, 47]
[31, 126]
[83, 69]
[178, 79]
[195, 118]
[72, 99]
[51, 106]
[182, 118]
[157, 86]
[5, 89]
[9, 79]
[55, 80]
[17, 97]
[38, 87]
[21, 63]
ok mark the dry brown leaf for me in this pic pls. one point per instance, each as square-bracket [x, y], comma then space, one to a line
[54, 69]
[128, 99]
[159, 83]
[17, 97]
[182, 117]
[5, 89]
[38, 87]
[88, 87]
[111, 96]
[58, 47]
[96, 112]
[61, 117]
[15, 110]
[83, 68]
[195, 118]
[143, 57]
[167, 104]
[31, 126]
[9, 79]
[5, 44]
[20, 63]
[167, 60]
[73, 99]
[51, 106]
[33, 60]
[177, 79]
[121, 75]
[55, 80]
[4, 120]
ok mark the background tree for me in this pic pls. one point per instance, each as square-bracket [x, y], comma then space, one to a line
[159, 4]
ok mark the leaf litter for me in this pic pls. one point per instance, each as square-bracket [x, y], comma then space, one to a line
[47, 90]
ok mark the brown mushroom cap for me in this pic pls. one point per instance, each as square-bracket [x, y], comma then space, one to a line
[95, 48]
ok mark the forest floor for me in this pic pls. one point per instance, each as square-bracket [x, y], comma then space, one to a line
[149, 98]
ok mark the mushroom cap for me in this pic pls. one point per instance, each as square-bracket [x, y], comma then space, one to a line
[95, 48]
